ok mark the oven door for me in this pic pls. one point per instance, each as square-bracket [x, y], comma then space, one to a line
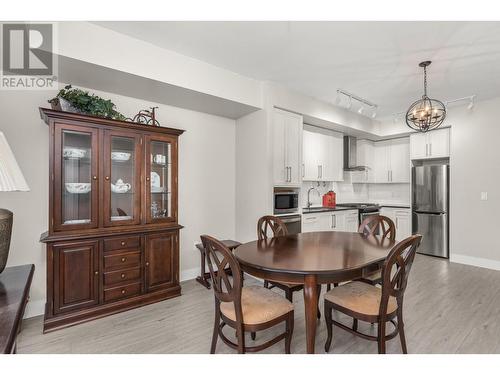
[293, 223]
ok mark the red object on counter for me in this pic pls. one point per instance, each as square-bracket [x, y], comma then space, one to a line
[329, 199]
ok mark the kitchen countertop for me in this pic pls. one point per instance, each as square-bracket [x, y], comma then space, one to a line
[315, 210]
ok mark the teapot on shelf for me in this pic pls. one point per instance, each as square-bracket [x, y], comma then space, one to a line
[120, 186]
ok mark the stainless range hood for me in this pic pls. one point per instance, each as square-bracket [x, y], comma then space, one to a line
[350, 157]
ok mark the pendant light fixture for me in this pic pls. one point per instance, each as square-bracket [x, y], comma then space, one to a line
[426, 113]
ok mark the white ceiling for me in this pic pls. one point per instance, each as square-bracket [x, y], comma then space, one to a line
[375, 60]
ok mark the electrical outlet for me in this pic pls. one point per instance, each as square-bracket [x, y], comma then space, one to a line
[484, 195]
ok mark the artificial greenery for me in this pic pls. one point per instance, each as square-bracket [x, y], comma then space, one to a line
[89, 103]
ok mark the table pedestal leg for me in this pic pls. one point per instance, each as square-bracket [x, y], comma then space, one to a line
[311, 310]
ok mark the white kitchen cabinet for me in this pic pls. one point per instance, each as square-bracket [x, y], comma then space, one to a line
[287, 148]
[402, 220]
[392, 161]
[430, 145]
[344, 220]
[322, 153]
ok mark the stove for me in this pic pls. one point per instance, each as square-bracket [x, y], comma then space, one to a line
[364, 209]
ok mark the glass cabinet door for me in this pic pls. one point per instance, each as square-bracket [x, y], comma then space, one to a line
[160, 178]
[75, 178]
[122, 193]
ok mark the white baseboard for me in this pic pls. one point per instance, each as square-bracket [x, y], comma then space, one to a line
[190, 274]
[475, 261]
[34, 308]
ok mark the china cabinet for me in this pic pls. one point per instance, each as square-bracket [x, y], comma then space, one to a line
[113, 237]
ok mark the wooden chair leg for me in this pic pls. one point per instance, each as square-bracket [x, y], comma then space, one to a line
[215, 334]
[266, 284]
[240, 334]
[381, 338]
[319, 293]
[253, 335]
[289, 295]
[328, 287]
[335, 285]
[402, 331]
[289, 332]
[329, 328]
[354, 324]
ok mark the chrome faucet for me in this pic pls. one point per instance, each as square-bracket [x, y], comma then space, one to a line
[309, 204]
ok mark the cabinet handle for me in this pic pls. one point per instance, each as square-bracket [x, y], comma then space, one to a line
[147, 264]
[430, 149]
[122, 275]
[124, 259]
[388, 179]
[318, 172]
[391, 175]
[321, 169]
[290, 169]
[94, 178]
[335, 224]
[303, 170]
[397, 225]
[426, 149]
[123, 243]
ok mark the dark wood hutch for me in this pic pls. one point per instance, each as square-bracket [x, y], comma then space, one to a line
[113, 238]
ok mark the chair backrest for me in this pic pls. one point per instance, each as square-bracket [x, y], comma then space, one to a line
[396, 269]
[378, 225]
[271, 224]
[220, 261]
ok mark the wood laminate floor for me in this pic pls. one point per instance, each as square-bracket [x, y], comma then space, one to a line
[448, 308]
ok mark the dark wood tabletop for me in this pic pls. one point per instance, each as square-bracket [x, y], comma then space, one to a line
[313, 259]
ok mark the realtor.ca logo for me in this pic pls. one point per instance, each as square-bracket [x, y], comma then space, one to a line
[28, 57]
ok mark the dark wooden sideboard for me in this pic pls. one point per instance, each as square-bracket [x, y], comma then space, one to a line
[113, 238]
[15, 283]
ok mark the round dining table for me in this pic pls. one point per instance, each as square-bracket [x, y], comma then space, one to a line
[312, 259]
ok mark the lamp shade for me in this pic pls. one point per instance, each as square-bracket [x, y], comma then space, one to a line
[11, 177]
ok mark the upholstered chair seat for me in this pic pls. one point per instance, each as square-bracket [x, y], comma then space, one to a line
[360, 297]
[259, 305]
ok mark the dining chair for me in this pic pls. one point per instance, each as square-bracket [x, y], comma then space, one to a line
[385, 228]
[272, 226]
[243, 308]
[375, 305]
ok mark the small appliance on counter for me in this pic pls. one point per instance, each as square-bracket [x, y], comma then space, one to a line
[329, 199]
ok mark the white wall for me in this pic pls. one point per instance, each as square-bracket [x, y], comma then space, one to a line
[206, 178]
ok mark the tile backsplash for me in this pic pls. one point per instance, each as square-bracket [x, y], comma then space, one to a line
[357, 193]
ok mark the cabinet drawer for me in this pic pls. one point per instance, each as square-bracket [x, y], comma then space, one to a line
[122, 243]
[116, 277]
[124, 291]
[122, 260]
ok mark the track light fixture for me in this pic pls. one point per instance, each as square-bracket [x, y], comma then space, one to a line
[364, 104]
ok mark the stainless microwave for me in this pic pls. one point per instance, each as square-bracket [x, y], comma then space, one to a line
[286, 201]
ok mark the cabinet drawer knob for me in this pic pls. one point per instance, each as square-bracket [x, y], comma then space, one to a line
[123, 243]
[147, 264]
[147, 178]
[94, 177]
[96, 272]
[122, 275]
[124, 259]
[106, 178]
[123, 291]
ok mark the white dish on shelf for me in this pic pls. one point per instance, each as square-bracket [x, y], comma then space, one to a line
[155, 180]
[120, 156]
[120, 186]
[74, 153]
[157, 189]
[77, 221]
[120, 218]
[78, 187]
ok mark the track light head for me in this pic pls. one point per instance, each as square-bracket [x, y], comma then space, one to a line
[360, 110]
[349, 105]
[374, 114]
[471, 104]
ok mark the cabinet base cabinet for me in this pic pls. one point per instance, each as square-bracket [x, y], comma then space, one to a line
[91, 278]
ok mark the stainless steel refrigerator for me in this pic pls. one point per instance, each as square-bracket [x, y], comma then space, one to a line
[430, 186]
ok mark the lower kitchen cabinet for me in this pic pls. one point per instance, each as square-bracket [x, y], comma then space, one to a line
[402, 220]
[342, 220]
[94, 277]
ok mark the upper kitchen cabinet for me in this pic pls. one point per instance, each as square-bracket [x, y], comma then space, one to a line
[431, 145]
[392, 161]
[322, 155]
[365, 156]
[287, 148]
